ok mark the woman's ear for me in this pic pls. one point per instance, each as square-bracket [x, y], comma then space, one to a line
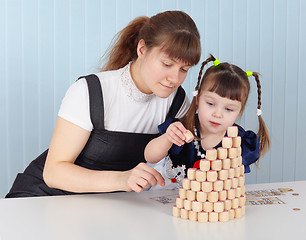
[141, 48]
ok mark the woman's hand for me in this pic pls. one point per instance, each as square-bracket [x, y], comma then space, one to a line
[176, 134]
[141, 177]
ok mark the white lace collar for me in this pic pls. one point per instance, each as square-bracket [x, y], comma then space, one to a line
[130, 88]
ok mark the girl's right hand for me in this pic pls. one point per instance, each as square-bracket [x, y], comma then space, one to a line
[175, 133]
[141, 177]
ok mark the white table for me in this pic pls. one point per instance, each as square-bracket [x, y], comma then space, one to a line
[136, 216]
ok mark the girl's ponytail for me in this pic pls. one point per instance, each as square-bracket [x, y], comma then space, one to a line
[263, 136]
[123, 48]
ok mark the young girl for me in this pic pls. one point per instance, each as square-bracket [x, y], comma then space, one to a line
[219, 99]
[106, 119]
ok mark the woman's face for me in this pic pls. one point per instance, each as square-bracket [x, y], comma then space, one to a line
[157, 73]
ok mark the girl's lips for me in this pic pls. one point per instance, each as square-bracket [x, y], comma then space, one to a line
[214, 124]
[166, 86]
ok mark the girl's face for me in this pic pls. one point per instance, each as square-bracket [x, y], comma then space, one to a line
[216, 113]
[157, 73]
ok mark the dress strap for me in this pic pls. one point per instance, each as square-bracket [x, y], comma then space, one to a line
[95, 101]
[177, 103]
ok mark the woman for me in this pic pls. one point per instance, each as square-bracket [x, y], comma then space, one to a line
[106, 119]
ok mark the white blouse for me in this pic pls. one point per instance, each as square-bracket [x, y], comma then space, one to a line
[126, 108]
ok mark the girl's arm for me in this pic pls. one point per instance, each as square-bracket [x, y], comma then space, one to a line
[60, 172]
[158, 148]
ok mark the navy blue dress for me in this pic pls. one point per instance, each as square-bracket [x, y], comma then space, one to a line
[187, 154]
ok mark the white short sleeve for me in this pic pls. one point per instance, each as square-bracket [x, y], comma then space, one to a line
[75, 105]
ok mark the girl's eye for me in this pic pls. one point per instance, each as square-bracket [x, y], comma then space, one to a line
[229, 109]
[166, 64]
[210, 103]
[184, 70]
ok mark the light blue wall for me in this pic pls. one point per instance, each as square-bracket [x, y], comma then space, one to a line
[46, 44]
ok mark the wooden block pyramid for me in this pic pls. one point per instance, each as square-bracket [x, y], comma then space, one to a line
[216, 191]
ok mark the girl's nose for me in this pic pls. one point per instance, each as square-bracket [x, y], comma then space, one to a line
[217, 113]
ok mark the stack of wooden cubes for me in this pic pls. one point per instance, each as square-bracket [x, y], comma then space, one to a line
[216, 191]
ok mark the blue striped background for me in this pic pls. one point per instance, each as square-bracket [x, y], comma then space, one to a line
[46, 44]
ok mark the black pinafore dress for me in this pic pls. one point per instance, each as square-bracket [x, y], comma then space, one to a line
[105, 150]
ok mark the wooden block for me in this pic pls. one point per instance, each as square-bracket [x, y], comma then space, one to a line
[191, 173]
[232, 152]
[234, 162]
[193, 216]
[226, 163]
[235, 182]
[213, 196]
[227, 142]
[235, 203]
[201, 196]
[223, 174]
[187, 204]
[211, 176]
[188, 136]
[222, 195]
[218, 206]
[231, 214]
[208, 206]
[211, 154]
[230, 194]
[239, 151]
[179, 202]
[191, 195]
[227, 204]
[176, 212]
[195, 186]
[227, 184]
[232, 131]
[237, 172]
[241, 170]
[184, 213]
[205, 165]
[231, 173]
[218, 185]
[242, 201]
[186, 183]
[197, 206]
[236, 141]
[240, 181]
[203, 216]
[243, 190]
[239, 160]
[238, 192]
[200, 176]
[224, 216]
[216, 165]
[183, 193]
[221, 153]
[207, 186]
[238, 212]
[213, 217]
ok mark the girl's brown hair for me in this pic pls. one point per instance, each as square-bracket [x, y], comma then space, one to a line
[173, 31]
[230, 81]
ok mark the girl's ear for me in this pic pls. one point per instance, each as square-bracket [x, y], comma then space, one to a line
[141, 48]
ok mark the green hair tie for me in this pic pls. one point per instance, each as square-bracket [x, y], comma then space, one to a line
[249, 73]
[216, 62]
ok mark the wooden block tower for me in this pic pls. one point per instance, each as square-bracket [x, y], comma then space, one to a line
[216, 191]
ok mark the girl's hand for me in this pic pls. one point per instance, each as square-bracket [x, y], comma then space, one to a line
[141, 177]
[175, 134]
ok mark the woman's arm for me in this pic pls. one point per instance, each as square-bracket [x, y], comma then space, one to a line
[67, 142]
[158, 148]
